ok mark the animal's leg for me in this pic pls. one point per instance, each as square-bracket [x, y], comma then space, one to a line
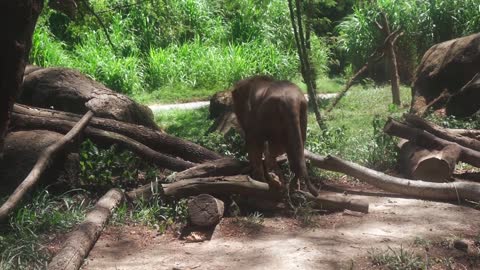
[255, 151]
[276, 180]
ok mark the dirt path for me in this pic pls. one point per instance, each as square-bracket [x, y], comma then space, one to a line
[279, 243]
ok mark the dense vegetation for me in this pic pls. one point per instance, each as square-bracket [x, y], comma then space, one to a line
[172, 51]
[179, 50]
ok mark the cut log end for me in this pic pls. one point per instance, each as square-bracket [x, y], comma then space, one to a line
[432, 169]
[205, 210]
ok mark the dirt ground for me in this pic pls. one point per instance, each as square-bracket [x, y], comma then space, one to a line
[337, 241]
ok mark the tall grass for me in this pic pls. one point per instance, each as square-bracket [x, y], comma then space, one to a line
[172, 50]
[199, 65]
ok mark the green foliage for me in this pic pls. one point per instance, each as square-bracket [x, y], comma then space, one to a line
[383, 153]
[21, 245]
[153, 212]
[424, 23]
[396, 259]
[111, 167]
[199, 65]
[453, 122]
[193, 125]
[172, 50]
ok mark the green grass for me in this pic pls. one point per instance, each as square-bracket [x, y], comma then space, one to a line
[22, 243]
[354, 126]
[396, 259]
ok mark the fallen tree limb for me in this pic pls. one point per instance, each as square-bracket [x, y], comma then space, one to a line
[102, 137]
[154, 139]
[336, 202]
[243, 185]
[440, 132]
[429, 141]
[471, 133]
[41, 165]
[77, 246]
[220, 167]
[419, 189]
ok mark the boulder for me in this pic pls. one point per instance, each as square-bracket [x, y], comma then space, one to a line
[68, 90]
[445, 66]
[22, 149]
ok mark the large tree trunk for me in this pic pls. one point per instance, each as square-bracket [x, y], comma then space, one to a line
[154, 139]
[17, 23]
[103, 137]
[42, 164]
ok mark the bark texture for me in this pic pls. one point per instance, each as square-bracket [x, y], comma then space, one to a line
[79, 243]
[17, 23]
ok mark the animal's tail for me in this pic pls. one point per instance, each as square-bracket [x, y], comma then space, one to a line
[297, 130]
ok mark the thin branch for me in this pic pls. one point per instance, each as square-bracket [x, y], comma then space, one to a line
[41, 165]
[90, 9]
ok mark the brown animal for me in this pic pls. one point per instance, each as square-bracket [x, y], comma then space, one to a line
[273, 115]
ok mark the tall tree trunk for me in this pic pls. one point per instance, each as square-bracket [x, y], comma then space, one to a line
[17, 22]
[390, 49]
[308, 73]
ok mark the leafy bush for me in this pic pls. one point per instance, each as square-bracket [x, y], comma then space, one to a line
[111, 166]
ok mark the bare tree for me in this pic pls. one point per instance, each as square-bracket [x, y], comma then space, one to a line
[307, 70]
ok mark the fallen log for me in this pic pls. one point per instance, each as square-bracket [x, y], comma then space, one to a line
[455, 191]
[205, 210]
[154, 139]
[77, 246]
[41, 165]
[102, 137]
[440, 132]
[429, 165]
[429, 141]
[239, 184]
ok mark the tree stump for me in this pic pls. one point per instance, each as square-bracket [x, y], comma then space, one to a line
[205, 210]
[428, 165]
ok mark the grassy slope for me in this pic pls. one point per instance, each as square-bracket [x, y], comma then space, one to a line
[350, 130]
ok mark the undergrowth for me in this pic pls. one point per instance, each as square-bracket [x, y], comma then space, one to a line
[23, 242]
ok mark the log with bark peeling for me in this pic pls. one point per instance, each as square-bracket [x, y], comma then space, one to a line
[456, 191]
[429, 141]
[42, 164]
[154, 139]
[102, 137]
[77, 246]
[429, 165]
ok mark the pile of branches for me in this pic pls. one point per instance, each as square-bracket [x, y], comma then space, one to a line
[202, 171]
